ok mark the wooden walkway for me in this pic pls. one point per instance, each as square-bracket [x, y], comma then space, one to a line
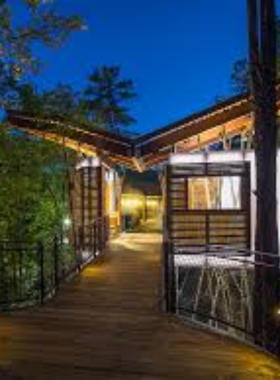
[107, 324]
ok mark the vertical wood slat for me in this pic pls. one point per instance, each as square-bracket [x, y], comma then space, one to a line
[246, 201]
[168, 254]
[206, 220]
[99, 180]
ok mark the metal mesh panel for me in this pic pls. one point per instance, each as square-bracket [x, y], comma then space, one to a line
[217, 290]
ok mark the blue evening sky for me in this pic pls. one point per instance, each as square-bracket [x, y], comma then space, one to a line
[178, 52]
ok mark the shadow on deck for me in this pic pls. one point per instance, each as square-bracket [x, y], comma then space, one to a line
[107, 324]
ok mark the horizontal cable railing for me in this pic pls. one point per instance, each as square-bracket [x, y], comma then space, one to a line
[231, 290]
[30, 273]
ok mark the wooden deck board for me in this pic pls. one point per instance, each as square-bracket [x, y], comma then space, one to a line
[107, 324]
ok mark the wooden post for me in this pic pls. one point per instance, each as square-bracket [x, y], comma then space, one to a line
[100, 206]
[83, 205]
[168, 252]
[262, 56]
[246, 201]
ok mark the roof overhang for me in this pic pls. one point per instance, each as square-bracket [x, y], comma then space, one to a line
[229, 118]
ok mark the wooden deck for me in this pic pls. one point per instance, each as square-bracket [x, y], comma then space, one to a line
[107, 324]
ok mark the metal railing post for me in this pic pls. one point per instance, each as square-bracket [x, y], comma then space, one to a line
[81, 244]
[20, 272]
[172, 279]
[108, 229]
[40, 252]
[100, 235]
[169, 277]
[95, 245]
[91, 245]
[56, 262]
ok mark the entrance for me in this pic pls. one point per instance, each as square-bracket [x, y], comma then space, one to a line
[141, 202]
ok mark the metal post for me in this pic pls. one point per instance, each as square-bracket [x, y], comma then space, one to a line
[56, 262]
[40, 252]
[81, 239]
[91, 247]
[169, 278]
[95, 245]
[20, 253]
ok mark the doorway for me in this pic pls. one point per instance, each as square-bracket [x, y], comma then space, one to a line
[141, 202]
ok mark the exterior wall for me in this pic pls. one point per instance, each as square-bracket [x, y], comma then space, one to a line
[86, 195]
[112, 199]
[233, 156]
[94, 195]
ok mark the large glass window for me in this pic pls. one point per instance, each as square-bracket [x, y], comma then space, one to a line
[214, 193]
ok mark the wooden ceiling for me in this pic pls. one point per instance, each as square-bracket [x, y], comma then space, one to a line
[229, 118]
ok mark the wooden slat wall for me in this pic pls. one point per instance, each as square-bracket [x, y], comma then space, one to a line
[197, 229]
[87, 198]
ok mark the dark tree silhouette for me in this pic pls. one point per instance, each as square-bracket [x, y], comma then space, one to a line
[106, 99]
[43, 24]
[263, 74]
[240, 75]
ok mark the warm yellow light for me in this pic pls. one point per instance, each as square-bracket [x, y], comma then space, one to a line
[152, 203]
[132, 203]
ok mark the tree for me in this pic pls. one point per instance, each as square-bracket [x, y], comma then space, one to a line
[62, 101]
[263, 75]
[106, 97]
[240, 75]
[41, 24]
[33, 194]
[34, 203]
[33, 173]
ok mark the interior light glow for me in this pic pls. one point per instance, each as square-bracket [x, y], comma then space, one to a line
[109, 176]
[209, 157]
[230, 193]
[152, 203]
[89, 162]
[191, 158]
[225, 156]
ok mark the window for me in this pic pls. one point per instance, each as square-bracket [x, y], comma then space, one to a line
[214, 193]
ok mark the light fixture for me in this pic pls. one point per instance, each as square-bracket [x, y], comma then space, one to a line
[67, 222]
[66, 240]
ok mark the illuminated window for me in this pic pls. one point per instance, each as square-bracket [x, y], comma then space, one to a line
[214, 193]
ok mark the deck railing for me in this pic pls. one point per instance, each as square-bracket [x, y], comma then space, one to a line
[30, 273]
[230, 290]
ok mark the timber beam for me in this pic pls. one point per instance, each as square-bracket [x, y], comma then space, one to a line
[230, 118]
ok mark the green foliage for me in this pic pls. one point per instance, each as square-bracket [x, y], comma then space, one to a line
[33, 188]
[33, 173]
[106, 97]
[240, 77]
[41, 24]
[64, 102]
[61, 100]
